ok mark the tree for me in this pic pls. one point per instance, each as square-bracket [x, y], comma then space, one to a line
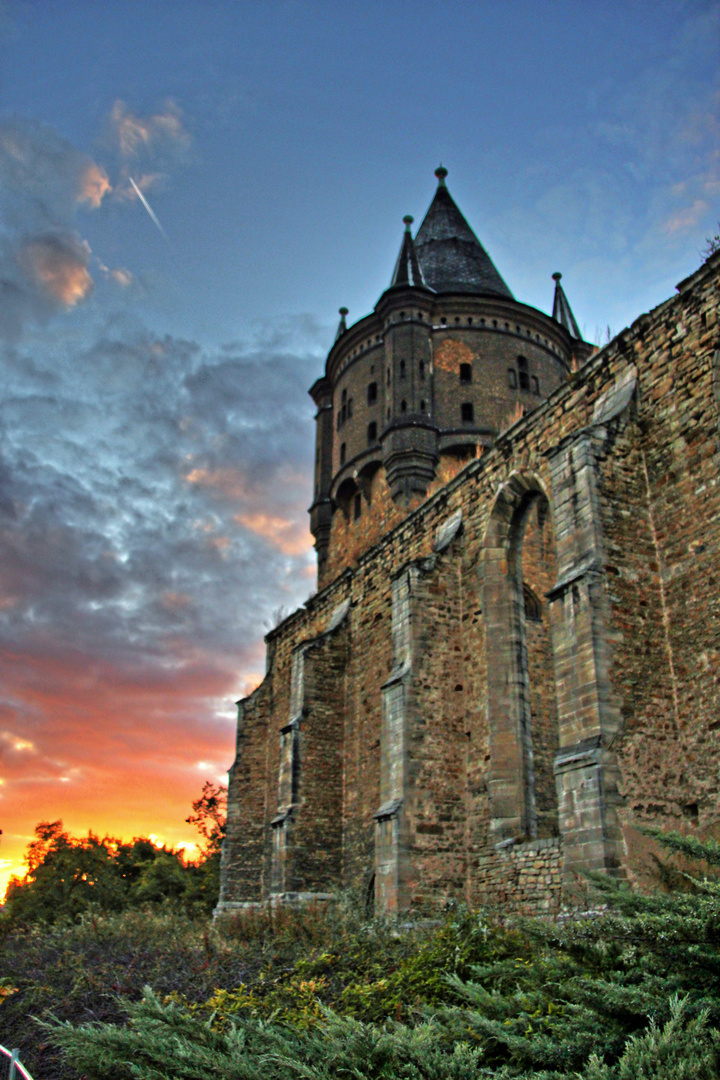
[210, 817]
[711, 246]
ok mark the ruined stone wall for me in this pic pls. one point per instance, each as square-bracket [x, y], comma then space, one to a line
[465, 735]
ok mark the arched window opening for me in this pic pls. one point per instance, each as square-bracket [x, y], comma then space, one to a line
[421, 370]
[422, 406]
[533, 609]
[465, 373]
[372, 433]
[372, 393]
[521, 703]
[403, 406]
[402, 369]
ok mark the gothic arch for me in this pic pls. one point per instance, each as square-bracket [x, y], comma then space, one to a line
[511, 779]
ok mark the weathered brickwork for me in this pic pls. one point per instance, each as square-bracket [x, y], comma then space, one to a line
[501, 682]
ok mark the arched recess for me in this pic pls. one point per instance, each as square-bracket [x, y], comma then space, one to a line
[520, 691]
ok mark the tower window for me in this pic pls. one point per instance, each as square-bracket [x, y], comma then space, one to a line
[470, 320]
[523, 377]
[457, 318]
[512, 378]
[343, 413]
[388, 414]
[443, 320]
[357, 511]
[387, 376]
[372, 393]
[372, 433]
[402, 369]
[342, 453]
[533, 609]
[467, 413]
[421, 369]
[403, 405]
[466, 373]
[349, 407]
[422, 406]
[344, 396]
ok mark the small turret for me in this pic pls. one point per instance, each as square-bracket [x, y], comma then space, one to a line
[562, 310]
[342, 326]
[407, 269]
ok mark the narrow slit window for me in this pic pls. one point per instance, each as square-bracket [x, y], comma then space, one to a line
[402, 369]
[467, 413]
[350, 407]
[342, 453]
[372, 433]
[372, 393]
[421, 370]
[403, 405]
[466, 373]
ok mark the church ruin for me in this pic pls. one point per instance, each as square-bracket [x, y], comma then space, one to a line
[513, 657]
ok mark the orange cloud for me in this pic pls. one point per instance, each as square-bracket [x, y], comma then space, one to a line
[687, 218]
[226, 481]
[93, 185]
[59, 265]
[290, 537]
[122, 277]
[134, 133]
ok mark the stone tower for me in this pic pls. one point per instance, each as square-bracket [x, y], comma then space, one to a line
[426, 381]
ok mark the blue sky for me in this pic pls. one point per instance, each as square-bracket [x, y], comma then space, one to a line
[155, 433]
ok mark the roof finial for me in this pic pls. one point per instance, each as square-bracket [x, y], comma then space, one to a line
[556, 276]
[342, 328]
[441, 172]
[408, 219]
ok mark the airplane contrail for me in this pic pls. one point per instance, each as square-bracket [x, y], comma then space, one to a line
[147, 206]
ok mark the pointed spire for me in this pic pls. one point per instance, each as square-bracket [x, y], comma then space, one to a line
[562, 311]
[343, 325]
[451, 257]
[407, 268]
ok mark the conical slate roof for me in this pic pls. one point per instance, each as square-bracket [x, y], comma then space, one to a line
[562, 310]
[407, 269]
[451, 257]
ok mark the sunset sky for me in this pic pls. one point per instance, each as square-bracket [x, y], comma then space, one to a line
[156, 437]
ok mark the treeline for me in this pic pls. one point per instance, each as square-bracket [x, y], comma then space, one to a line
[68, 876]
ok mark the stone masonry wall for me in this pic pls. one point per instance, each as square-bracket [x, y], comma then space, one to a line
[605, 501]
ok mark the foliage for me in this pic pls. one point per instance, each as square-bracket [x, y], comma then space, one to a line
[67, 877]
[632, 992]
[711, 246]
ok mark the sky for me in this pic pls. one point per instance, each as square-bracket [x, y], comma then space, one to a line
[189, 190]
